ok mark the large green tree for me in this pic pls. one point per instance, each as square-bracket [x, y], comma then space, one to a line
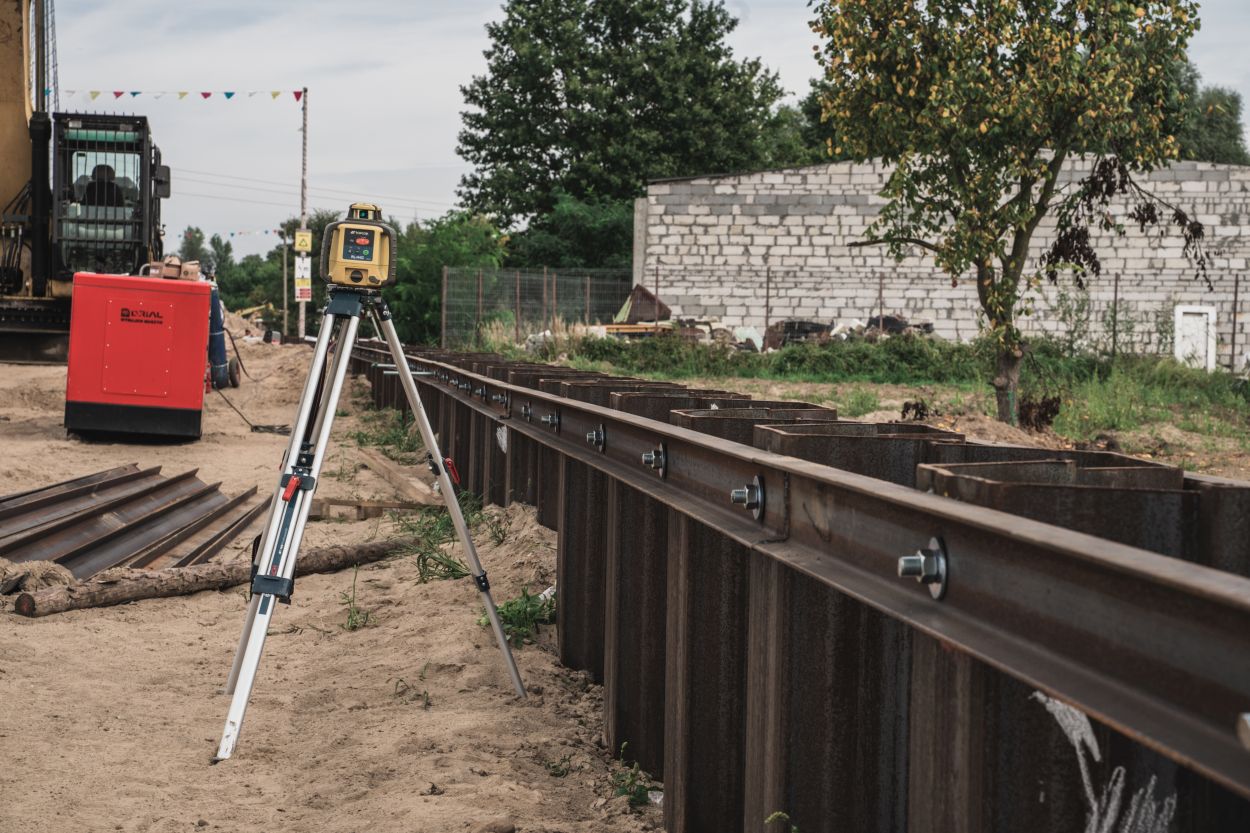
[591, 98]
[577, 233]
[1211, 131]
[979, 104]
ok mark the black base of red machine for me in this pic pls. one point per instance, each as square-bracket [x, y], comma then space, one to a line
[86, 418]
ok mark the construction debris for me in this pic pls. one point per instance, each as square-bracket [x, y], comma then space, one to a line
[640, 306]
[121, 586]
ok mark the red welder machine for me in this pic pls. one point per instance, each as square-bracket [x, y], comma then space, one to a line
[137, 356]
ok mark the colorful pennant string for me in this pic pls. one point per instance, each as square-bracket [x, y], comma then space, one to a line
[228, 95]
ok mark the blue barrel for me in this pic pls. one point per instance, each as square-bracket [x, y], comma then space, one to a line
[218, 369]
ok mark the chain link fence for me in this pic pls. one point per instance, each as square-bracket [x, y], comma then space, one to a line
[482, 305]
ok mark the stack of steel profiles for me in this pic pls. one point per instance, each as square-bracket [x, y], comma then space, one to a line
[763, 644]
[125, 516]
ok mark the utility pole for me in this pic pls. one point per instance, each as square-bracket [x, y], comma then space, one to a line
[285, 303]
[41, 57]
[303, 197]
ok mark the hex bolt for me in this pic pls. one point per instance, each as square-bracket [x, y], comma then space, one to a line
[596, 437]
[480, 392]
[748, 496]
[927, 566]
[654, 459]
[527, 411]
[552, 420]
[498, 397]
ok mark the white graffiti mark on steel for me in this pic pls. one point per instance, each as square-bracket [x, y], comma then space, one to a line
[1107, 813]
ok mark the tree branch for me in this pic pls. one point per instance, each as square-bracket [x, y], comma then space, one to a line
[885, 241]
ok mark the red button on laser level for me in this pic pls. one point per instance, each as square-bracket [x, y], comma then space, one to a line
[360, 241]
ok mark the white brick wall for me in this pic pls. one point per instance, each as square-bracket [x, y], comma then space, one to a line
[717, 243]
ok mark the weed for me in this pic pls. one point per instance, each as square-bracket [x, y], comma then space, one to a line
[356, 617]
[631, 781]
[409, 694]
[392, 431]
[781, 817]
[522, 616]
[560, 768]
[433, 527]
[858, 402]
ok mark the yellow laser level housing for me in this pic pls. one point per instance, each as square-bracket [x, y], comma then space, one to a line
[359, 252]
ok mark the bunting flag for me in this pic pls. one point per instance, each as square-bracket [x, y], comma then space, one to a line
[228, 95]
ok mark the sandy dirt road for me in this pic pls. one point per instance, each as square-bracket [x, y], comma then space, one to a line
[108, 718]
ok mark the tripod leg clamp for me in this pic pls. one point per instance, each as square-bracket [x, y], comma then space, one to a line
[277, 586]
[482, 583]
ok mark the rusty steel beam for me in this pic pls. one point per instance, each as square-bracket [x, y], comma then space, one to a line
[1146, 644]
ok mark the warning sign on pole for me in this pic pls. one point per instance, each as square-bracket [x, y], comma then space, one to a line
[303, 241]
[303, 278]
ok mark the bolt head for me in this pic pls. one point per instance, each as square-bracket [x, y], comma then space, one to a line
[911, 566]
[648, 458]
[748, 496]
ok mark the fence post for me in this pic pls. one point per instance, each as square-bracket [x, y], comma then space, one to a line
[544, 318]
[443, 334]
[768, 300]
[586, 317]
[1115, 315]
[555, 302]
[517, 315]
[1232, 355]
[477, 328]
[656, 305]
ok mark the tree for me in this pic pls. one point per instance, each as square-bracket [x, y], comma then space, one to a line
[1211, 131]
[978, 104]
[591, 98]
[221, 256]
[457, 238]
[192, 247]
[577, 233]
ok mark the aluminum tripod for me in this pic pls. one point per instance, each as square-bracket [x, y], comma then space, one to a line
[274, 564]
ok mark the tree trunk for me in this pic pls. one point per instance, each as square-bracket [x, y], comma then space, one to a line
[1006, 383]
[132, 585]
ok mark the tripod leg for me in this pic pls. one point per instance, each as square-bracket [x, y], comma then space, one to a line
[382, 319]
[298, 432]
[292, 503]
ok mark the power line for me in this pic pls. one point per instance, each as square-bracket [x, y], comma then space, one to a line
[322, 189]
[288, 192]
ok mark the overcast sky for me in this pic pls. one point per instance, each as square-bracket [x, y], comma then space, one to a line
[384, 84]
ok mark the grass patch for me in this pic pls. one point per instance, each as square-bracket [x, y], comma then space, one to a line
[522, 616]
[357, 618]
[392, 431]
[433, 527]
[857, 402]
[630, 780]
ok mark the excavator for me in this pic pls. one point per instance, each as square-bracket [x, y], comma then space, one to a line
[80, 193]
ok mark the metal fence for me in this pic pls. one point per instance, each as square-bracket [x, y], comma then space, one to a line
[492, 304]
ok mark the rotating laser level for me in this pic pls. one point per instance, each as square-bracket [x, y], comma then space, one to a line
[360, 251]
[357, 259]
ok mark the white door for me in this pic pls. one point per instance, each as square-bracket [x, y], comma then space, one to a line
[1195, 336]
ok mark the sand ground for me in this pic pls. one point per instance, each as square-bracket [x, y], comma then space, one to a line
[108, 718]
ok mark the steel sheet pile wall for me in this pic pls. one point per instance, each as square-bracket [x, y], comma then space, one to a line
[729, 569]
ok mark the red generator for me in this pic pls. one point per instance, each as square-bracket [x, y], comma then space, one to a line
[137, 349]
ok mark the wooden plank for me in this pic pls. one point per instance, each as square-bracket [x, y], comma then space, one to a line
[364, 509]
[405, 484]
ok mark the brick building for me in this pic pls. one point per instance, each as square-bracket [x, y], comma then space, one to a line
[774, 244]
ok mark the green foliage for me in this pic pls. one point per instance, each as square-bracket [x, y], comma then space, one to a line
[630, 780]
[393, 431]
[784, 818]
[978, 105]
[859, 401]
[1211, 130]
[560, 768]
[192, 245]
[522, 616]
[591, 98]
[899, 360]
[577, 233]
[456, 239]
[356, 617]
